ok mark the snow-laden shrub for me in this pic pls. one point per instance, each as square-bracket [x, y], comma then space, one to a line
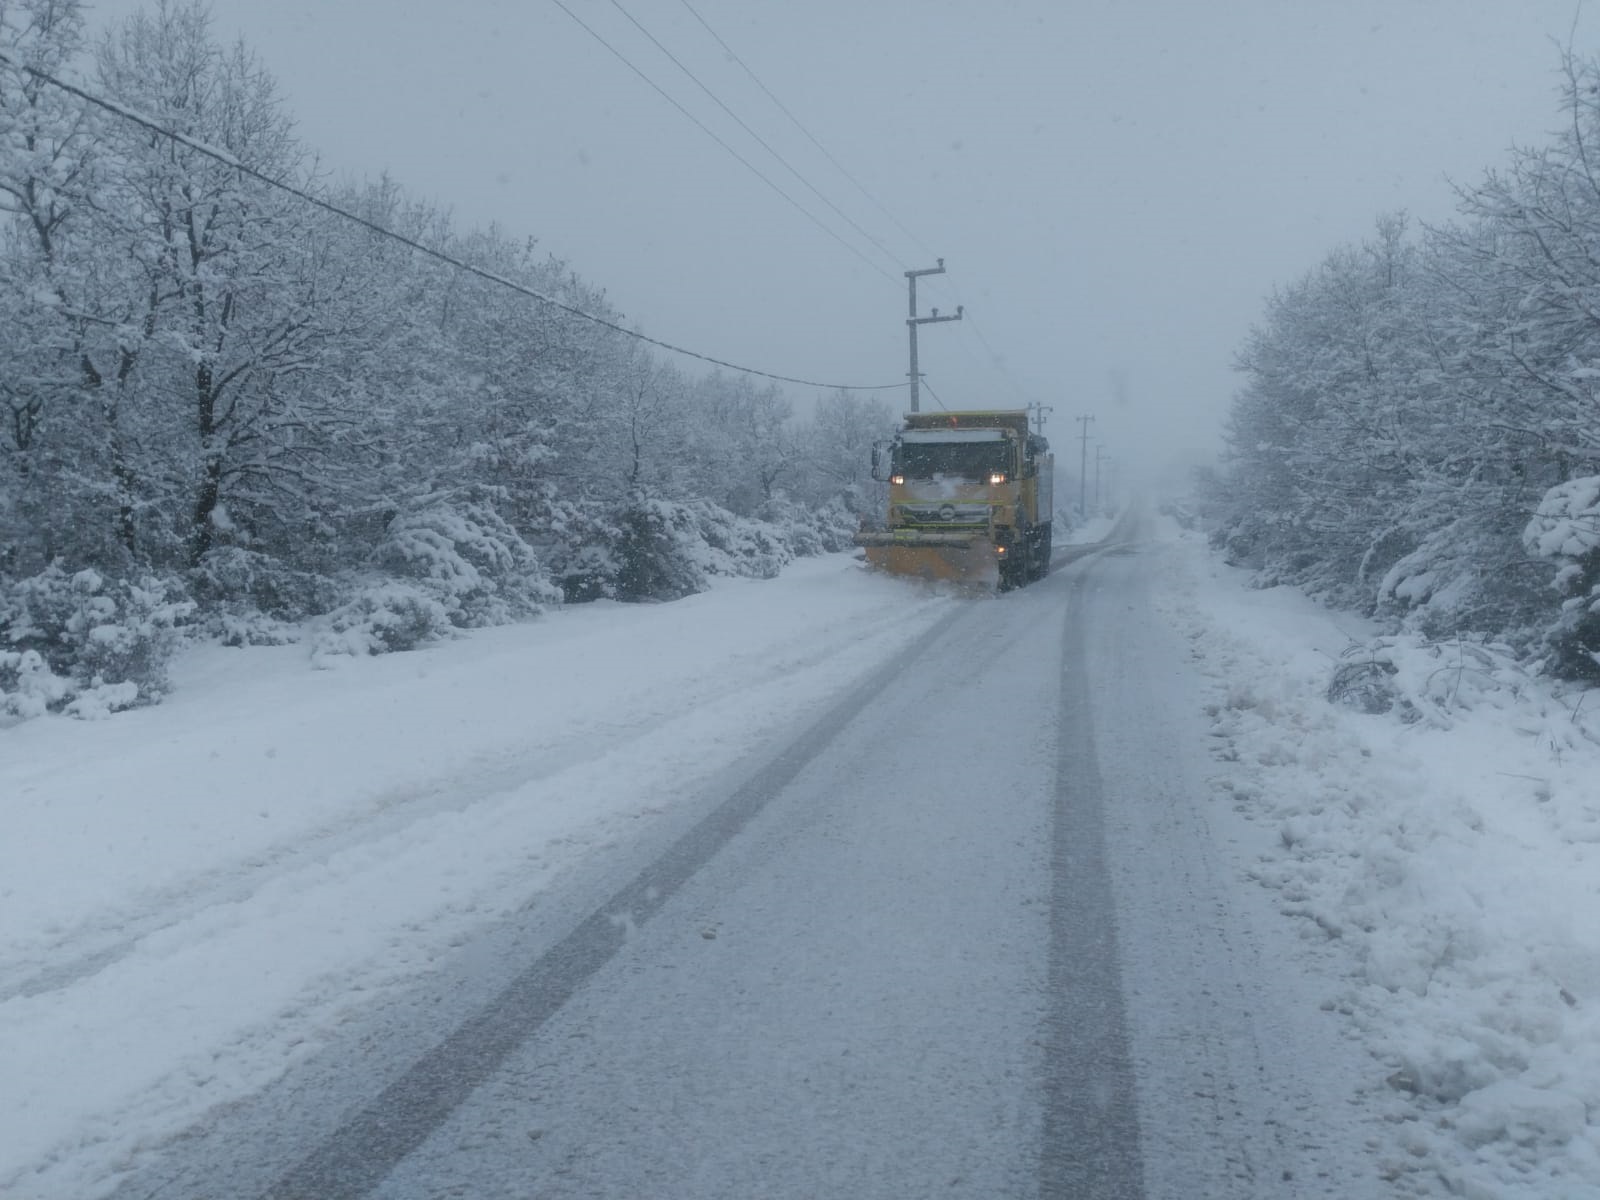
[1469, 577]
[127, 635]
[661, 554]
[801, 535]
[582, 550]
[653, 549]
[382, 617]
[1565, 530]
[810, 531]
[100, 701]
[589, 572]
[1239, 543]
[735, 545]
[837, 525]
[113, 638]
[1425, 680]
[249, 592]
[1364, 681]
[469, 560]
[644, 549]
[1566, 525]
[667, 549]
[38, 609]
[446, 565]
[240, 625]
[28, 687]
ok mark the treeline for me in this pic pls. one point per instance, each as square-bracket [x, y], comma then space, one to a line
[1418, 431]
[228, 410]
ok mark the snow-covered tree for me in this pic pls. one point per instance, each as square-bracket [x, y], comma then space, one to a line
[836, 452]
[1408, 405]
[50, 487]
[217, 390]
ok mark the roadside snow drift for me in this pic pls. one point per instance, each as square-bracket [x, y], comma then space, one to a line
[1450, 845]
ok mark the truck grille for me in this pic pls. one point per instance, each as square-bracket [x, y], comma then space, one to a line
[944, 514]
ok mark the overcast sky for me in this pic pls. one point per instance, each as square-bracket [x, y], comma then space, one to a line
[1115, 186]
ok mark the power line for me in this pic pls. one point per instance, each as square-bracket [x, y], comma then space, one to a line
[765, 145]
[710, 133]
[999, 363]
[796, 120]
[995, 360]
[228, 160]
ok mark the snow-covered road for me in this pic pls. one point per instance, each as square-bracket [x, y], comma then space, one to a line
[827, 882]
[862, 891]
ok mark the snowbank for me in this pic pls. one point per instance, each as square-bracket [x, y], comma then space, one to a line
[1448, 848]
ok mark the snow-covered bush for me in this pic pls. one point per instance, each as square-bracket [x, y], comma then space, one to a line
[660, 554]
[1467, 578]
[236, 625]
[251, 599]
[469, 560]
[589, 573]
[667, 549]
[581, 553]
[1425, 680]
[444, 565]
[100, 701]
[1364, 681]
[654, 549]
[808, 531]
[381, 617]
[735, 545]
[66, 636]
[28, 687]
[645, 549]
[127, 635]
[1565, 529]
[38, 609]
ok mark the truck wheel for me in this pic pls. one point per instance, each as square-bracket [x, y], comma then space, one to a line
[1041, 560]
[1013, 573]
[1022, 562]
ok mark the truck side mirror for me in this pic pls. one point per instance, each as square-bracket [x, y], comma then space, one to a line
[880, 461]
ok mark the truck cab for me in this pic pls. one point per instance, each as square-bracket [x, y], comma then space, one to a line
[969, 499]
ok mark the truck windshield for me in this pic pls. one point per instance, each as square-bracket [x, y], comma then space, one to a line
[970, 460]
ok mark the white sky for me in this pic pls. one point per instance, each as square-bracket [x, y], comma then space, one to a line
[1115, 186]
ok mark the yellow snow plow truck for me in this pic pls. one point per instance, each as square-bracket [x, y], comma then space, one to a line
[970, 498]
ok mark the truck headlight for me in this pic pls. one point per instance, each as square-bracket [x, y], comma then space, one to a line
[996, 478]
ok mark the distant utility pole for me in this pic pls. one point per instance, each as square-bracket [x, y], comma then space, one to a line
[1083, 467]
[913, 321]
[1100, 456]
[1038, 411]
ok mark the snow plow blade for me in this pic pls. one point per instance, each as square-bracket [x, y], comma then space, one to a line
[954, 557]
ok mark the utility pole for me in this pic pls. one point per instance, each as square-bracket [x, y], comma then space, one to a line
[1083, 467]
[1100, 456]
[912, 321]
[1038, 410]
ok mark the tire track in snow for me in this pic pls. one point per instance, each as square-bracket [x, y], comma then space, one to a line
[1090, 1145]
[354, 1158]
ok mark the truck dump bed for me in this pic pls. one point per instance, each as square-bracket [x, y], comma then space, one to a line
[1016, 421]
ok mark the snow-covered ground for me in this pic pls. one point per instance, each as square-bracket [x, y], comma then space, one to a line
[189, 893]
[1448, 851]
